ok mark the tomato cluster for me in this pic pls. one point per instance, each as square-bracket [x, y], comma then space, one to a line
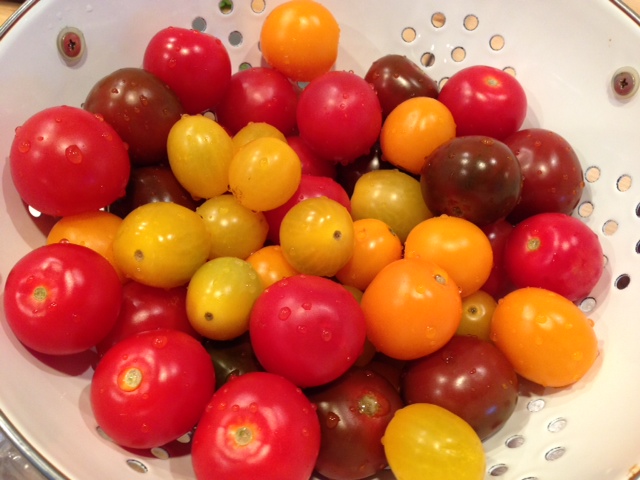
[316, 270]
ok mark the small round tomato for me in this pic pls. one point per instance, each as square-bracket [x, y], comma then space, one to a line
[254, 130]
[554, 251]
[317, 236]
[231, 358]
[294, 29]
[151, 388]
[485, 101]
[85, 160]
[195, 65]
[200, 153]
[140, 107]
[455, 244]
[348, 175]
[271, 265]
[161, 244]
[414, 129]
[477, 310]
[546, 337]
[474, 177]
[312, 164]
[453, 378]
[498, 284]
[414, 445]
[339, 116]
[220, 296]
[258, 425]
[264, 174]
[62, 298]
[412, 308]
[308, 329]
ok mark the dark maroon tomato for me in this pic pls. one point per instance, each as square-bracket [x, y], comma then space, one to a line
[231, 358]
[354, 412]
[475, 177]
[140, 107]
[469, 377]
[152, 184]
[485, 101]
[395, 79]
[348, 175]
[553, 177]
[148, 308]
[311, 186]
[259, 94]
[554, 251]
[312, 164]
[498, 284]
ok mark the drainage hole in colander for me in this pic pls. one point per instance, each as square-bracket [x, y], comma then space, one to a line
[592, 174]
[623, 183]
[409, 34]
[498, 470]
[160, 453]
[137, 465]
[471, 22]
[588, 304]
[557, 425]
[235, 38]
[199, 24]
[585, 209]
[536, 405]
[258, 6]
[555, 453]
[622, 281]
[515, 441]
[438, 19]
[610, 227]
[225, 6]
[458, 54]
[496, 42]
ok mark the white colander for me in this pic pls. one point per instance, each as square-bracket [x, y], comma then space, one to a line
[576, 61]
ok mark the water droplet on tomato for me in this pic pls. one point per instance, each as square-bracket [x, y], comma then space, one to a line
[235, 407]
[430, 332]
[302, 329]
[172, 62]
[577, 356]
[253, 407]
[73, 154]
[332, 420]
[115, 91]
[307, 305]
[24, 146]
[144, 100]
[285, 312]
[222, 405]
[326, 335]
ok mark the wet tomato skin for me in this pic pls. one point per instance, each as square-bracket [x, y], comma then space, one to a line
[498, 284]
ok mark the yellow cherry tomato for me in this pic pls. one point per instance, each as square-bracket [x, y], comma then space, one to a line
[254, 130]
[477, 310]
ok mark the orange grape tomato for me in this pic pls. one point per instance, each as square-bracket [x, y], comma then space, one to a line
[455, 244]
[300, 39]
[414, 129]
[412, 308]
[546, 337]
[95, 230]
[270, 265]
[376, 246]
[477, 310]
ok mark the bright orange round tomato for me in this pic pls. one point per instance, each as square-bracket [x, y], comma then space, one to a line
[412, 308]
[376, 246]
[95, 230]
[300, 39]
[414, 129]
[270, 265]
[546, 337]
[477, 310]
[455, 244]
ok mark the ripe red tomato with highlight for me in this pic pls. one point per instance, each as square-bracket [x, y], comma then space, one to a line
[65, 160]
[485, 101]
[258, 425]
[556, 252]
[308, 329]
[339, 116]
[195, 65]
[62, 298]
[152, 388]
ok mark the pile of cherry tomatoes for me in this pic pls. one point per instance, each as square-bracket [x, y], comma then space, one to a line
[310, 271]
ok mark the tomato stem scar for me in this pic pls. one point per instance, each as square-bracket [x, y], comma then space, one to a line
[130, 379]
[40, 294]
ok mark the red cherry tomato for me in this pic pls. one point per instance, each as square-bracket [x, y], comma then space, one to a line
[498, 284]
[312, 164]
[62, 298]
[485, 101]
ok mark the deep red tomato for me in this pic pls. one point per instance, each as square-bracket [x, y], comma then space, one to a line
[308, 329]
[348, 175]
[354, 412]
[195, 65]
[258, 425]
[65, 160]
[151, 388]
[148, 308]
[485, 101]
[395, 79]
[553, 177]
[231, 358]
[259, 94]
[473, 177]
[556, 252]
[339, 116]
[469, 377]
[311, 186]
[312, 164]
[62, 298]
[498, 284]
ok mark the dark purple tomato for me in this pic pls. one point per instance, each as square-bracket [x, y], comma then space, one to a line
[498, 284]
[231, 358]
[354, 412]
[395, 79]
[469, 377]
[140, 107]
[152, 184]
[474, 177]
[553, 177]
[348, 175]
[259, 94]
[312, 164]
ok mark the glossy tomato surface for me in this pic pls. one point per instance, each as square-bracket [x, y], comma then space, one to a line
[258, 425]
[62, 298]
[151, 388]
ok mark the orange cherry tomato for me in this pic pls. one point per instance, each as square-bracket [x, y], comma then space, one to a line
[455, 244]
[412, 308]
[270, 265]
[545, 336]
